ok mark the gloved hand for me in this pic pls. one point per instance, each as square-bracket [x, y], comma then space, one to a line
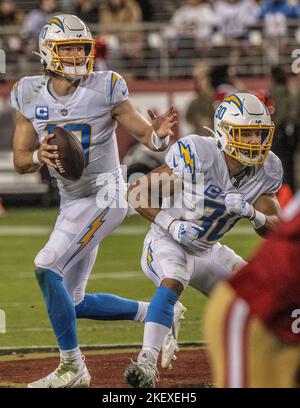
[185, 232]
[236, 204]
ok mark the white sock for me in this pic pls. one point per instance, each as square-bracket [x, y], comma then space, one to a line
[72, 356]
[154, 335]
[142, 311]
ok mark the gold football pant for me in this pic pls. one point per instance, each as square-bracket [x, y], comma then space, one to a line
[243, 352]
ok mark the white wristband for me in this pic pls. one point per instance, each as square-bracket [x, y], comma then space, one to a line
[35, 158]
[164, 220]
[258, 220]
[157, 142]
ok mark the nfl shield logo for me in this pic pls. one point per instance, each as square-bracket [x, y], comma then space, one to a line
[42, 112]
[64, 112]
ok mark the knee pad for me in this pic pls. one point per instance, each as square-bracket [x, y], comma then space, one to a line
[45, 258]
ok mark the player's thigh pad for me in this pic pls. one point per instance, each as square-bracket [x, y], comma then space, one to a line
[163, 258]
[214, 265]
[80, 227]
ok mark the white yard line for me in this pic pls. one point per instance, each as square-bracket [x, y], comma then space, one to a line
[117, 275]
[123, 230]
[95, 276]
[24, 231]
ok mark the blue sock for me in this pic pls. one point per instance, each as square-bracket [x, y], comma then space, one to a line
[60, 308]
[161, 307]
[103, 306]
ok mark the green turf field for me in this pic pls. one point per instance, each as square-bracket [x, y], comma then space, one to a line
[117, 270]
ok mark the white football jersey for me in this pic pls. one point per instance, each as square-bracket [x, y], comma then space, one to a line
[86, 113]
[194, 155]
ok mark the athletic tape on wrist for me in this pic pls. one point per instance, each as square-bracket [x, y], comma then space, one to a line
[258, 220]
[157, 142]
[35, 158]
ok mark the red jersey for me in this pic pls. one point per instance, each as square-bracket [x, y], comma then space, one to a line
[270, 283]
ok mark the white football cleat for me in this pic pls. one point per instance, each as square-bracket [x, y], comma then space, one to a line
[143, 373]
[170, 346]
[67, 375]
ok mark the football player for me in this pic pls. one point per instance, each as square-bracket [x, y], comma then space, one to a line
[89, 104]
[240, 178]
[252, 320]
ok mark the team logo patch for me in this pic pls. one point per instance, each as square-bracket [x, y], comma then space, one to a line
[64, 112]
[42, 112]
[188, 157]
[114, 78]
[15, 88]
[150, 259]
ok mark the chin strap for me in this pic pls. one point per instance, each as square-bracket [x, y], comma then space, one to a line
[38, 54]
[214, 136]
[210, 130]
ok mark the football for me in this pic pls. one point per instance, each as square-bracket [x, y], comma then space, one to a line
[70, 163]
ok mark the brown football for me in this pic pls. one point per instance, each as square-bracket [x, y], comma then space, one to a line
[71, 156]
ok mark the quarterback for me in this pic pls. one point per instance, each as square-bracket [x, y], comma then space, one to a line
[89, 104]
[240, 179]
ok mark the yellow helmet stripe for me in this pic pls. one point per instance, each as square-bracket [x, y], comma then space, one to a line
[236, 100]
[57, 22]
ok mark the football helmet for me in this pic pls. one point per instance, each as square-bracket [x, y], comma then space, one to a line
[243, 128]
[64, 30]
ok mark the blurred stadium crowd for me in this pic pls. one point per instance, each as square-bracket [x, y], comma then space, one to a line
[216, 43]
[162, 39]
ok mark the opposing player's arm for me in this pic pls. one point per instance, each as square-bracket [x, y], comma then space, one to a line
[25, 143]
[154, 135]
[268, 205]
